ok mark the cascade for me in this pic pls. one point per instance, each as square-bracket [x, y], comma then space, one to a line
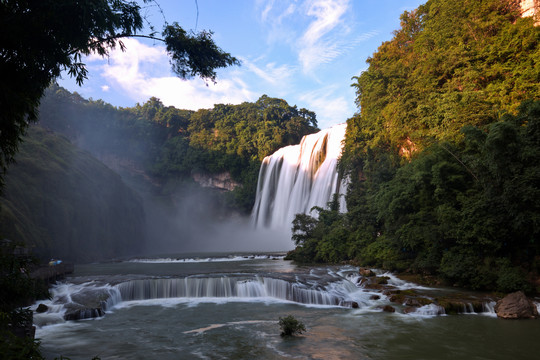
[91, 300]
[236, 287]
[297, 177]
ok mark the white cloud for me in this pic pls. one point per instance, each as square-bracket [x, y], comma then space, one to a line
[143, 71]
[275, 14]
[280, 20]
[271, 72]
[316, 30]
[267, 9]
[331, 108]
[194, 94]
[320, 43]
[328, 15]
[105, 88]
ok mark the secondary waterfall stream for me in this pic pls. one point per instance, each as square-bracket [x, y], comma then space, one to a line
[297, 177]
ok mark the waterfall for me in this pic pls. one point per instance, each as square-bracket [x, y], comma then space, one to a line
[232, 287]
[297, 177]
[91, 300]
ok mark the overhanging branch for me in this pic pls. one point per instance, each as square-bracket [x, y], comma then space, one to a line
[113, 38]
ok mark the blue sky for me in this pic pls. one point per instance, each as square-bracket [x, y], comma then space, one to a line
[303, 51]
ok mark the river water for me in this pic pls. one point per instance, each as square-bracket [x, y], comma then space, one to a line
[228, 307]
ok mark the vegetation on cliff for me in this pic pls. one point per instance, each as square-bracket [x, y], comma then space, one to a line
[443, 156]
[64, 203]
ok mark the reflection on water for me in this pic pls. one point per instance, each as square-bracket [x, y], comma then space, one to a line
[247, 328]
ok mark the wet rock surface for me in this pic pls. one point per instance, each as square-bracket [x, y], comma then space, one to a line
[42, 308]
[86, 304]
[366, 272]
[432, 301]
[516, 306]
[75, 312]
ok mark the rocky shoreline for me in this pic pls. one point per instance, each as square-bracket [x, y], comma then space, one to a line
[512, 306]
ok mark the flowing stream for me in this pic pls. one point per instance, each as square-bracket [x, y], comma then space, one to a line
[228, 307]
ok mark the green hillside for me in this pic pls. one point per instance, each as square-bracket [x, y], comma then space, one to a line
[65, 204]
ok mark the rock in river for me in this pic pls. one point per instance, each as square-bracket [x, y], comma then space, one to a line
[516, 306]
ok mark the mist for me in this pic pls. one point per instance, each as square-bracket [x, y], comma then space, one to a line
[197, 222]
[180, 215]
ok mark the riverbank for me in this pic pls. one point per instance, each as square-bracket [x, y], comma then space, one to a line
[450, 302]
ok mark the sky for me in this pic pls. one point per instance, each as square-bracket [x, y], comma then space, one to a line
[303, 51]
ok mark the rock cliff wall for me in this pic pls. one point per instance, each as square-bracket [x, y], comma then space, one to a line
[531, 8]
[222, 181]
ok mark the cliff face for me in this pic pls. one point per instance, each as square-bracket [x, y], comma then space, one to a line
[66, 204]
[531, 8]
[222, 181]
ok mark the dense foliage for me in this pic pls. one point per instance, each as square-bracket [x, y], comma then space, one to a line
[443, 167]
[18, 290]
[41, 38]
[450, 64]
[169, 144]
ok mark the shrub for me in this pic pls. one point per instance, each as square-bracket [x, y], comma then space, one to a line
[290, 326]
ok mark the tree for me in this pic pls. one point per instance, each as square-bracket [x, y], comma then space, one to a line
[42, 38]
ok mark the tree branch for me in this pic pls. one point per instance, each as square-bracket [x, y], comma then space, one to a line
[115, 37]
[461, 162]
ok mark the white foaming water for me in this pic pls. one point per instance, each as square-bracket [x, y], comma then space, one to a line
[489, 308]
[207, 259]
[296, 178]
[328, 289]
[399, 283]
[67, 296]
[429, 310]
[339, 293]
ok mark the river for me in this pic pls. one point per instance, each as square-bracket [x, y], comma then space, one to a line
[225, 306]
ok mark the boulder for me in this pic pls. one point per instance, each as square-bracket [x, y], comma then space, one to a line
[361, 281]
[366, 272]
[516, 306]
[374, 286]
[81, 314]
[389, 309]
[382, 280]
[42, 308]
[412, 302]
[409, 309]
